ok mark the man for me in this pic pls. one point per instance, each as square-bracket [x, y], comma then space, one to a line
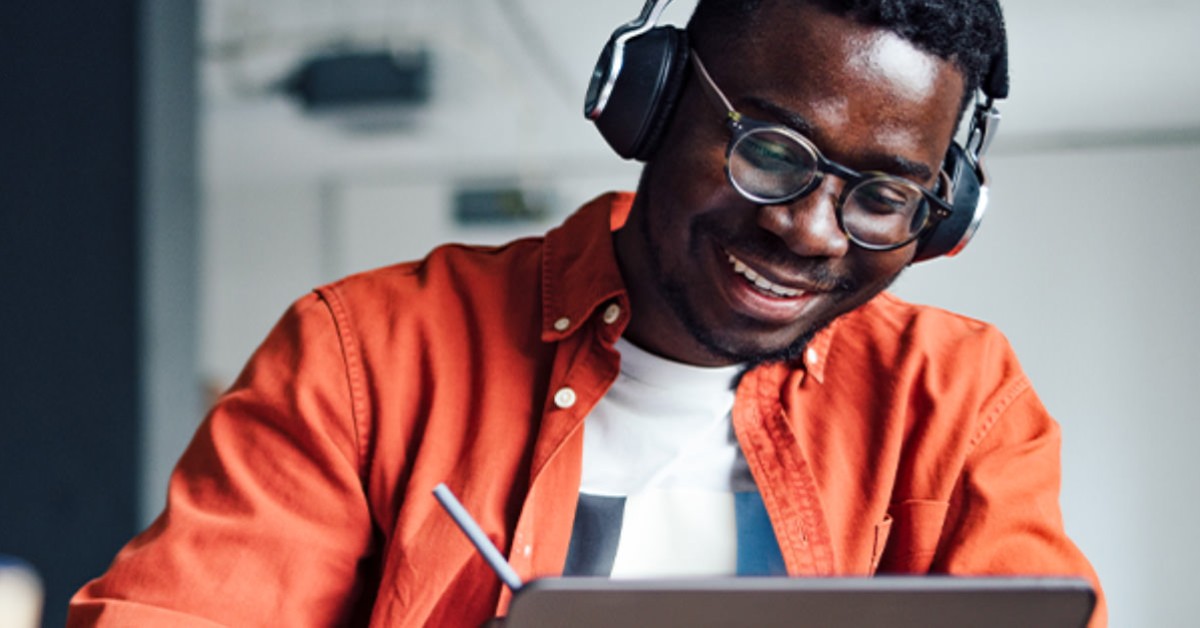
[575, 389]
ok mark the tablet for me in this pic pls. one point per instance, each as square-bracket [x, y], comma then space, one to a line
[891, 602]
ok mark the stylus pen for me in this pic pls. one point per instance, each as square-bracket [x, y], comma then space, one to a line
[467, 524]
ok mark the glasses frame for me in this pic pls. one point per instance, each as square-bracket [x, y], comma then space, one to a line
[742, 126]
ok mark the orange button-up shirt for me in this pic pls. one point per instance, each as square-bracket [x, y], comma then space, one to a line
[908, 441]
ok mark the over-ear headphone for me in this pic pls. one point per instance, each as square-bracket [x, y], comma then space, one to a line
[640, 75]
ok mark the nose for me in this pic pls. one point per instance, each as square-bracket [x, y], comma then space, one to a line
[809, 224]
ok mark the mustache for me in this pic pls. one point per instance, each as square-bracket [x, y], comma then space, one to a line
[768, 248]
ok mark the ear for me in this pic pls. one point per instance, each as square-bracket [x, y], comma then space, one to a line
[645, 88]
[969, 201]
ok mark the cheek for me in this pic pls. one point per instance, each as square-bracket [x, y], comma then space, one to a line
[875, 270]
[692, 152]
[685, 187]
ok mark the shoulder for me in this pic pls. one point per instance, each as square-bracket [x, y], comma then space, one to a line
[954, 376]
[444, 263]
[889, 313]
[928, 347]
[890, 321]
[466, 275]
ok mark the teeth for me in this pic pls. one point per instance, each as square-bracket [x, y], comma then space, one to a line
[742, 269]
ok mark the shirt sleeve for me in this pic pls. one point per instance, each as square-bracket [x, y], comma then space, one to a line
[266, 521]
[1004, 517]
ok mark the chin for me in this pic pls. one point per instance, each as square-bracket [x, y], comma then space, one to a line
[741, 339]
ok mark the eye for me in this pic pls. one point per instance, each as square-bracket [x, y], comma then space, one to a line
[884, 198]
[771, 151]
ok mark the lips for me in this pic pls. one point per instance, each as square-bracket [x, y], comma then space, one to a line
[761, 282]
[749, 291]
[770, 279]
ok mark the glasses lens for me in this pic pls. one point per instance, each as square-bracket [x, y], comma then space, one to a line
[769, 165]
[884, 211]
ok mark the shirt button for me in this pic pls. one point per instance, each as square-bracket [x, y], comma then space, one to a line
[562, 324]
[810, 356]
[528, 550]
[612, 313]
[564, 398]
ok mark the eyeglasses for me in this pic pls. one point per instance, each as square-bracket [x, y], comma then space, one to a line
[772, 164]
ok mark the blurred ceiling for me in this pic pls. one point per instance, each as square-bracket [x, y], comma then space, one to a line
[510, 75]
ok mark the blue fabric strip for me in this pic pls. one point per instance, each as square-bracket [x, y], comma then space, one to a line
[758, 550]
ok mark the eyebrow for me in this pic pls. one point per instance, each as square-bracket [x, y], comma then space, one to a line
[893, 164]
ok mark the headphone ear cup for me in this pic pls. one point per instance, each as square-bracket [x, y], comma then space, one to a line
[647, 87]
[949, 236]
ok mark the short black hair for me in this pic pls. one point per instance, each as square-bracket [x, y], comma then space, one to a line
[968, 33]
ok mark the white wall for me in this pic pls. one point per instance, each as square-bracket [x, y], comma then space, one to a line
[1087, 262]
[1085, 259]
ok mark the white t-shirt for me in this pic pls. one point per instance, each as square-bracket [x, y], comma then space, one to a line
[665, 489]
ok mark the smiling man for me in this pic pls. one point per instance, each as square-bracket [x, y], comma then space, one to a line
[702, 378]
[715, 274]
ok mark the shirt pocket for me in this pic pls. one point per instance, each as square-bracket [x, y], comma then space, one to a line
[907, 539]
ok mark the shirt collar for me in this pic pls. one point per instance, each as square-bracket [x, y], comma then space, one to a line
[579, 270]
[816, 355]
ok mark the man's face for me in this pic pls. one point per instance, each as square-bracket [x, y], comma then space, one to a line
[715, 278]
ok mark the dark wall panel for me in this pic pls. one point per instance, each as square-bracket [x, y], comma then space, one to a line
[69, 278]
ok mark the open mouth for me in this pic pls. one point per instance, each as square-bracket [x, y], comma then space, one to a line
[760, 283]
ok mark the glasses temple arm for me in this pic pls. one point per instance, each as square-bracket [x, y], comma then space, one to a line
[714, 92]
